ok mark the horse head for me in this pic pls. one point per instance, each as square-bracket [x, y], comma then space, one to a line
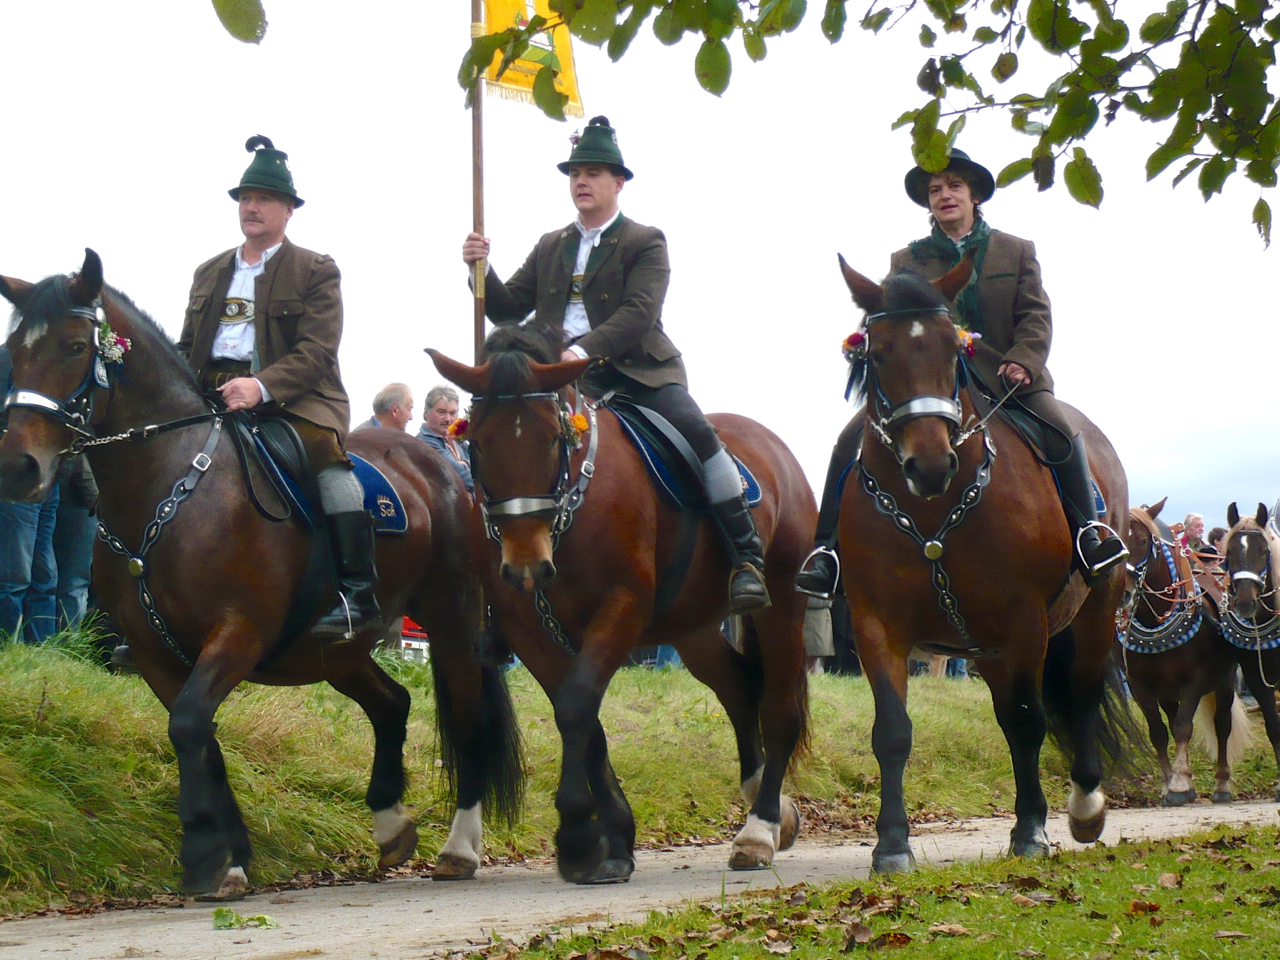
[53, 343]
[1143, 537]
[1253, 556]
[907, 360]
[521, 439]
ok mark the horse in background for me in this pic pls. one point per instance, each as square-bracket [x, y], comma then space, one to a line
[981, 569]
[1251, 611]
[206, 582]
[1177, 660]
[576, 550]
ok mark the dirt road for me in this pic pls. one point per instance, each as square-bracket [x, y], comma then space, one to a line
[404, 919]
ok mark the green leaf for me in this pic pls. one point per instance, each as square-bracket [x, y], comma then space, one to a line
[1014, 172]
[902, 121]
[1005, 67]
[549, 100]
[480, 56]
[953, 71]
[1261, 172]
[985, 35]
[1083, 180]
[243, 19]
[713, 66]
[1262, 220]
[722, 10]
[1160, 27]
[953, 131]
[875, 21]
[667, 28]
[927, 79]
[1052, 25]
[628, 29]
[1213, 175]
[1111, 35]
[1042, 170]
[1186, 171]
[224, 918]
[927, 37]
[594, 22]
[833, 20]
[754, 44]
[792, 14]
[928, 143]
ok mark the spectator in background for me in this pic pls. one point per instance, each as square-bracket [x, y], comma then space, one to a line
[1193, 532]
[73, 537]
[392, 408]
[28, 571]
[1218, 540]
[438, 414]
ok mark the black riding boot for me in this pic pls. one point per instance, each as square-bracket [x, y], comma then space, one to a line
[820, 575]
[1098, 548]
[352, 537]
[747, 590]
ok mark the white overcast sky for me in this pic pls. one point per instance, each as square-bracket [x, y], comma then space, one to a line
[126, 124]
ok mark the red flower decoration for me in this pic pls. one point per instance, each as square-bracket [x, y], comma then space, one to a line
[458, 429]
[853, 345]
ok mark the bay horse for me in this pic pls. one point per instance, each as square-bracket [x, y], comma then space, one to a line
[1251, 611]
[574, 591]
[981, 569]
[1177, 660]
[205, 588]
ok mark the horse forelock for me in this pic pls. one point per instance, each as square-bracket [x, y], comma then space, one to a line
[907, 290]
[1269, 536]
[45, 301]
[509, 351]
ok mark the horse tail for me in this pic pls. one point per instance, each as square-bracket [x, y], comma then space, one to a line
[755, 659]
[1120, 740]
[493, 744]
[1205, 736]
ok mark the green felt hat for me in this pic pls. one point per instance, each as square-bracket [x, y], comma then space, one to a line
[598, 144]
[268, 170]
[979, 178]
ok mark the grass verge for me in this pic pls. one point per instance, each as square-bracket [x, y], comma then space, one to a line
[88, 808]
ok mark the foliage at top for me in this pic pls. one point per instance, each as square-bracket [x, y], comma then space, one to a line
[1202, 64]
[243, 19]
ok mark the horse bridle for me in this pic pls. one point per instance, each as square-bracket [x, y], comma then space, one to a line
[1183, 619]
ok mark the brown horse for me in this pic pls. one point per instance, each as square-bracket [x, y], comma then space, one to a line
[1251, 611]
[574, 592]
[994, 582]
[1177, 660]
[204, 591]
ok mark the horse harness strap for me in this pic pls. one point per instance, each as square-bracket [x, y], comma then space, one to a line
[1246, 634]
[934, 548]
[1176, 627]
[166, 510]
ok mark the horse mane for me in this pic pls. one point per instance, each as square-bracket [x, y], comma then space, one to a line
[904, 292]
[509, 350]
[1250, 525]
[142, 321]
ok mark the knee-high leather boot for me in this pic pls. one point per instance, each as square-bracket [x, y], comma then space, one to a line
[352, 537]
[747, 590]
[1098, 548]
[820, 575]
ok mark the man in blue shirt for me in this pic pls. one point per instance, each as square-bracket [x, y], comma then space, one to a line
[438, 414]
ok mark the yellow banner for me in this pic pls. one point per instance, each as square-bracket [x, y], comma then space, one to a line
[550, 47]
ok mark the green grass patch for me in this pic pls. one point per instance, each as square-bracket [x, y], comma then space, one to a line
[90, 782]
[1214, 895]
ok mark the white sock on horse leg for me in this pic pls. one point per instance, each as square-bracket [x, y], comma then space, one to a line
[721, 477]
[340, 490]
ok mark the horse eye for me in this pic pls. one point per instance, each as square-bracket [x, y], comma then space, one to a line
[78, 348]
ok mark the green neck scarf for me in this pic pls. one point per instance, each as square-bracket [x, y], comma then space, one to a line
[939, 246]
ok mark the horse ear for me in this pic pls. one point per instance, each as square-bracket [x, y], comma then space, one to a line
[88, 282]
[474, 380]
[553, 376]
[1153, 511]
[867, 294]
[954, 280]
[14, 290]
[1233, 514]
[1262, 515]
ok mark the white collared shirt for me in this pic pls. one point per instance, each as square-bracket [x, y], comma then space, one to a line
[235, 337]
[576, 323]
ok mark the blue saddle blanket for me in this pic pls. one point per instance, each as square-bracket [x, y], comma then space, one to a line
[680, 489]
[380, 498]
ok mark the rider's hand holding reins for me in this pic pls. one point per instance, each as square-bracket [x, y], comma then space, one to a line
[1014, 374]
[474, 248]
[242, 393]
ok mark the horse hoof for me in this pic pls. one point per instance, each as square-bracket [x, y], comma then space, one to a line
[751, 855]
[613, 870]
[791, 824]
[450, 866]
[400, 848]
[1029, 849]
[234, 886]
[893, 862]
[1088, 829]
[1178, 798]
[1222, 796]
[583, 869]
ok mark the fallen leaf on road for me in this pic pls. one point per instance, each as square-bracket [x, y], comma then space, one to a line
[950, 929]
[1095, 915]
[781, 946]
[1116, 934]
[889, 941]
[1170, 881]
[858, 934]
[1230, 935]
[1137, 907]
[1022, 901]
[1028, 953]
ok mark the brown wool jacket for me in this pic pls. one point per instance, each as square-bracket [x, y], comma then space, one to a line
[625, 284]
[1015, 308]
[297, 328]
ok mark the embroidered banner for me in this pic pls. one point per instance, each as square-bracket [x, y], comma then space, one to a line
[551, 47]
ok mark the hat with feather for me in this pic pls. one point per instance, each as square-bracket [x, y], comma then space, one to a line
[268, 170]
[597, 144]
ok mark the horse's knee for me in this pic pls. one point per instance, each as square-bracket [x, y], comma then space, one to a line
[577, 706]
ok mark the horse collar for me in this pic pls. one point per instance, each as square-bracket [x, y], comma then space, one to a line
[1178, 626]
[1246, 634]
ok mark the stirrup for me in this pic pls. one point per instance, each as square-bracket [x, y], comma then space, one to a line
[817, 552]
[750, 603]
[1092, 572]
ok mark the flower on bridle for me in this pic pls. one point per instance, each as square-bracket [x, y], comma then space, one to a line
[111, 346]
[458, 429]
[968, 342]
[580, 423]
[854, 345]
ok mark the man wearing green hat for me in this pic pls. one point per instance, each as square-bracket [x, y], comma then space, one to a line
[1006, 304]
[602, 280]
[262, 330]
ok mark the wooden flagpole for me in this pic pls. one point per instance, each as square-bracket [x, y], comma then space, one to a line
[480, 267]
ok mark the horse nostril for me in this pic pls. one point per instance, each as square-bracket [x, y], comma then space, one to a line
[954, 461]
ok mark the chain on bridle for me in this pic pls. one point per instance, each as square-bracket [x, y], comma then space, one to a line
[1246, 633]
[1183, 619]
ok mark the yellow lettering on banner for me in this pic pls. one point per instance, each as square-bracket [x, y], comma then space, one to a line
[549, 48]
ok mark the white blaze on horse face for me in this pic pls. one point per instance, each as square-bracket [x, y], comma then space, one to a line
[34, 332]
[917, 328]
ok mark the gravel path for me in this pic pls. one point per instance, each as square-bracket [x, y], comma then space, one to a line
[411, 918]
